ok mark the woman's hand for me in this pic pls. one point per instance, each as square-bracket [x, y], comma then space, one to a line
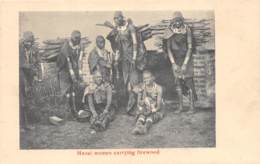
[184, 68]
[175, 67]
[95, 115]
[105, 111]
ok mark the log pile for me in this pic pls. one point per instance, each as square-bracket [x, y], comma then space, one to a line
[144, 31]
[51, 48]
[201, 31]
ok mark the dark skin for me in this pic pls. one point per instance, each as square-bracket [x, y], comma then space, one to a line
[119, 21]
[28, 45]
[100, 42]
[179, 70]
[178, 23]
[76, 39]
[98, 81]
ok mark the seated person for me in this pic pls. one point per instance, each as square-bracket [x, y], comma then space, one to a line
[149, 106]
[98, 99]
[101, 60]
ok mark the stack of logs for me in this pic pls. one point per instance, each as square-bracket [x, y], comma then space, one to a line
[51, 48]
[201, 31]
[49, 86]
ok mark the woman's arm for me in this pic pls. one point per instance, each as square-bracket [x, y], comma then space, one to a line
[139, 97]
[188, 53]
[91, 105]
[109, 98]
[80, 62]
[159, 98]
[169, 52]
[134, 39]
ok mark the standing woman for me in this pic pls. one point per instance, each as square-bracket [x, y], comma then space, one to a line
[130, 51]
[28, 64]
[178, 45]
[69, 69]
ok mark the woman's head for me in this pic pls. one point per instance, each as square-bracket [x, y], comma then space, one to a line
[28, 39]
[148, 77]
[75, 37]
[97, 77]
[119, 18]
[178, 19]
[100, 42]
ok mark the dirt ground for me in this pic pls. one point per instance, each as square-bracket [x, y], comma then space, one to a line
[175, 130]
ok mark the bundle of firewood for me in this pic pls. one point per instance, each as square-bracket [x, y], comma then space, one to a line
[51, 48]
[144, 30]
[201, 31]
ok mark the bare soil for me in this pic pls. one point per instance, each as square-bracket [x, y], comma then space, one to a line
[175, 130]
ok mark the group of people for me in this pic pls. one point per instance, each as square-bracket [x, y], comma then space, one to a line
[127, 62]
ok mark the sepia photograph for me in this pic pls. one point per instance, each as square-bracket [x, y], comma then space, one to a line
[117, 79]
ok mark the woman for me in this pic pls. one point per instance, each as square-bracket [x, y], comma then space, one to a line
[126, 43]
[178, 45]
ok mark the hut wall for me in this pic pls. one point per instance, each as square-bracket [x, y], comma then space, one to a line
[48, 87]
[85, 69]
[204, 77]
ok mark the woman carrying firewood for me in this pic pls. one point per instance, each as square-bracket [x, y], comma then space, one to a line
[28, 68]
[178, 45]
[70, 75]
[127, 44]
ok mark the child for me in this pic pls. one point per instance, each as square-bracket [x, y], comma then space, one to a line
[149, 104]
[101, 60]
